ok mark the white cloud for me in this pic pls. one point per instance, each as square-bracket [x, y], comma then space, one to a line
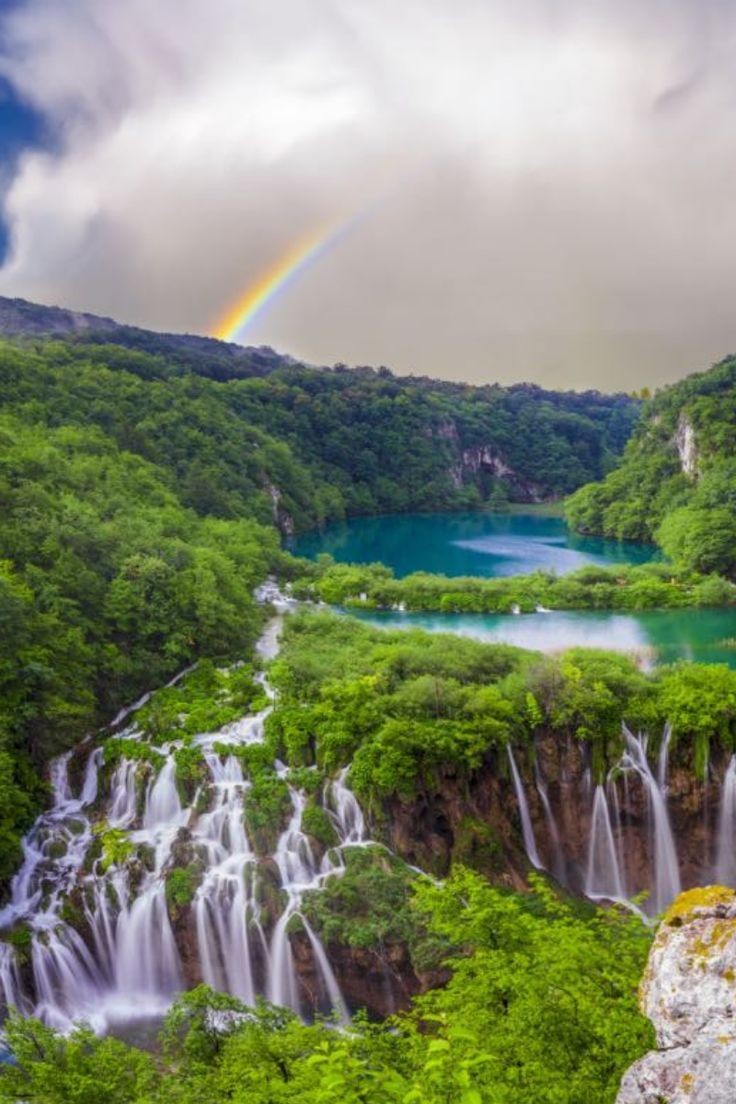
[549, 185]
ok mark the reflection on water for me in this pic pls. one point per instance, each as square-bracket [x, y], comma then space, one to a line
[662, 636]
[467, 544]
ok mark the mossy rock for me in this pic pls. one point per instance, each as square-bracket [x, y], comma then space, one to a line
[316, 824]
[684, 907]
[477, 845]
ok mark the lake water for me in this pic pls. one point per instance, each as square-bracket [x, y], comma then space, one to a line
[509, 544]
[659, 636]
[467, 544]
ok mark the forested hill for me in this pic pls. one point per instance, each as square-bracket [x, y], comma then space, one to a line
[676, 482]
[379, 442]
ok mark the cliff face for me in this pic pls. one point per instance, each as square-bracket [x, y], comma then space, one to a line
[478, 822]
[686, 446]
[689, 994]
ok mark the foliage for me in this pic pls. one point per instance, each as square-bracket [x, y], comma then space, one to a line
[368, 906]
[181, 885]
[625, 587]
[191, 769]
[317, 824]
[116, 845]
[541, 1006]
[267, 810]
[657, 493]
[405, 708]
[205, 700]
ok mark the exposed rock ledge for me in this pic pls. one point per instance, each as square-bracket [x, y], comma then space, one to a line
[689, 994]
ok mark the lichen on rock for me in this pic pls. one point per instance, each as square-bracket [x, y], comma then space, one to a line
[689, 994]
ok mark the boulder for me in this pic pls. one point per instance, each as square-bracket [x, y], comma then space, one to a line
[689, 993]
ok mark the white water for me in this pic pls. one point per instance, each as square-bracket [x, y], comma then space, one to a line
[603, 879]
[667, 883]
[128, 966]
[527, 831]
[604, 875]
[725, 871]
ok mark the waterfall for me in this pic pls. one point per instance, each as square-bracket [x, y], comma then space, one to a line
[558, 862]
[129, 964]
[725, 872]
[603, 879]
[666, 868]
[526, 821]
[664, 757]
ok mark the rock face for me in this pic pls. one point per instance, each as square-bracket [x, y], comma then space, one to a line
[689, 994]
[686, 446]
[476, 821]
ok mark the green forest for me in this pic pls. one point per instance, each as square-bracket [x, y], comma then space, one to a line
[676, 482]
[643, 587]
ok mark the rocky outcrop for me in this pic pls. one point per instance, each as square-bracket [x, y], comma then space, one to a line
[689, 994]
[686, 447]
[486, 459]
[282, 519]
[380, 980]
[475, 820]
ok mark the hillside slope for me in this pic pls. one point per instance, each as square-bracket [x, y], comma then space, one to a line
[380, 442]
[676, 482]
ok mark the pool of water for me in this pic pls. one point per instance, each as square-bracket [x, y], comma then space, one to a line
[660, 636]
[467, 544]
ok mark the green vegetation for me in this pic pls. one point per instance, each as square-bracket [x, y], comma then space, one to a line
[676, 483]
[181, 885]
[541, 1006]
[406, 708]
[649, 586]
[317, 824]
[267, 810]
[369, 906]
[205, 700]
[116, 846]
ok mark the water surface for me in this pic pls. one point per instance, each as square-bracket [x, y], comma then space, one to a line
[467, 544]
[659, 636]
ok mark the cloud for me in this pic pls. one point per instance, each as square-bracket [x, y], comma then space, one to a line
[548, 186]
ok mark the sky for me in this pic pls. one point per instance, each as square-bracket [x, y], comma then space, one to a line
[522, 189]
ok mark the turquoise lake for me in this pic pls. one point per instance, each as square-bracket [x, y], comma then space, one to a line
[509, 544]
[467, 544]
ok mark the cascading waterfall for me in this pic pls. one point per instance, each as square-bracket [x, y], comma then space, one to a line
[666, 868]
[603, 878]
[604, 875]
[558, 861]
[527, 831]
[725, 871]
[128, 963]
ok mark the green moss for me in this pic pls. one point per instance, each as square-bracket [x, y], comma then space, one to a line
[317, 824]
[683, 907]
[267, 808]
[181, 885]
[116, 846]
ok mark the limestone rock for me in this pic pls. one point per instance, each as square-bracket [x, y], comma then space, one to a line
[689, 994]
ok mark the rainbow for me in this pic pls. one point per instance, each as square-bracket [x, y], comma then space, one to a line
[281, 274]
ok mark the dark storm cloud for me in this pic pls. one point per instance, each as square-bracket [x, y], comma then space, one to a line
[549, 186]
